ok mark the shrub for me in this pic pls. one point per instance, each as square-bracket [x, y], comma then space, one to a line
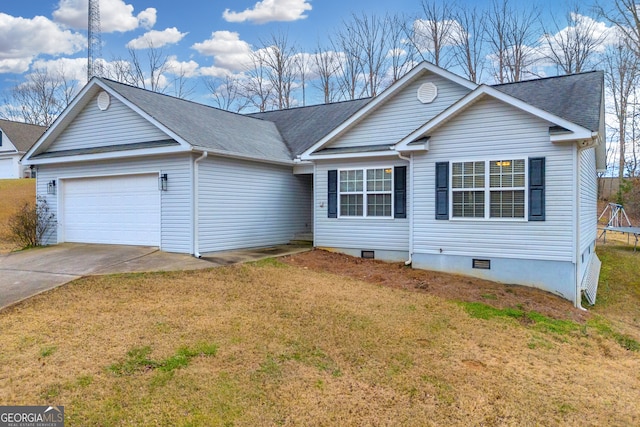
[29, 225]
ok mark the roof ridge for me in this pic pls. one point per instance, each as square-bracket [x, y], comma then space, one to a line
[548, 78]
[312, 105]
[200, 104]
[23, 123]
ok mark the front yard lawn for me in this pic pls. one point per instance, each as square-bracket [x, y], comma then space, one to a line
[284, 343]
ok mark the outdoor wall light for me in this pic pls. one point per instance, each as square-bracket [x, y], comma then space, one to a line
[51, 187]
[163, 182]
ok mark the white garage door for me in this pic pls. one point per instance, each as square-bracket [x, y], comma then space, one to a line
[6, 169]
[122, 210]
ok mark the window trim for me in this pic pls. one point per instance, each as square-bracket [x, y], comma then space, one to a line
[487, 189]
[364, 193]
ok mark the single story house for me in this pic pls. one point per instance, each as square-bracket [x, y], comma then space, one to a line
[497, 182]
[15, 139]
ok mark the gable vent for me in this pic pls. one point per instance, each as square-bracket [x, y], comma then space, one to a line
[104, 100]
[427, 93]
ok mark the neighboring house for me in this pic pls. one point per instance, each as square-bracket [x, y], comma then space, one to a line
[496, 182]
[15, 139]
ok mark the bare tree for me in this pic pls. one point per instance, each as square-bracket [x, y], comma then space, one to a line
[625, 15]
[434, 31]
[512, 36]
[326, 65]
[257, 87]
[402, 53]
[277, 57]
[364, 44]
[41, 98]
[621, 76]
[349, 75]
[227, 92]
[468, 46]
[145, 71]
[573, 43]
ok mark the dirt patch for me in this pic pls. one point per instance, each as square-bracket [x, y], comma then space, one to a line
[448, 286]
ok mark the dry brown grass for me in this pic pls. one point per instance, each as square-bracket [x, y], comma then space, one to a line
[13, 194]
[298, 347]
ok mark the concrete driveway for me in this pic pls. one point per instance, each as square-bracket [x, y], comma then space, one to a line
[27, 273]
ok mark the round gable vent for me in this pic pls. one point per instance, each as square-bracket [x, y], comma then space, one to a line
[104, 100]
[427, 93]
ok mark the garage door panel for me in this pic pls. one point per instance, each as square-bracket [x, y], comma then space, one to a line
[114, 210]
[6, 169]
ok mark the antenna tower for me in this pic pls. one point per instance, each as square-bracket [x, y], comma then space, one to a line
[94, 49]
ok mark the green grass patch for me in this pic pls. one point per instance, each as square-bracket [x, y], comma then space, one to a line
[269, 262]
[138, 360]
[605, 329]
[48, 351]
[537, 321]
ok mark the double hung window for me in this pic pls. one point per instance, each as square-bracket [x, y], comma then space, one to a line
[488, 189]
[366, 192]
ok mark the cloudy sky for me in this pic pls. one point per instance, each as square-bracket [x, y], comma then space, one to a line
[203, 37]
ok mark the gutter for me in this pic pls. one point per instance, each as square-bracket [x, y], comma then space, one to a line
[410, 208]
[196, 205]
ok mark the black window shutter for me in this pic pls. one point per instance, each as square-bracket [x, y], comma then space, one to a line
[536, 189]
[442, 190]
[400, 191]
[332, 178]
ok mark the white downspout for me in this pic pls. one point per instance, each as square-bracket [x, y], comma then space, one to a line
[196, 206]
[410, 209]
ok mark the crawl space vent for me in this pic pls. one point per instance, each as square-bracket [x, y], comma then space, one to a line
[482, 264]
[427, 93]
[104, 100]
[367, 254]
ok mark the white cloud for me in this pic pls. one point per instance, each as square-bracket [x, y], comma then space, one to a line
[228, 51]
[269, 11]
[157, 38]
[115, 15]
[186, 68]
[423, 39]
[214, 71]
[70, 68]
[21, 40]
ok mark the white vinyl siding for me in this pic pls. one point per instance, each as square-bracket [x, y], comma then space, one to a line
[491, 129]
[588, 193]
[117, 125]
[176, 216]
[357, 233]
[402, 114]
[246, 204]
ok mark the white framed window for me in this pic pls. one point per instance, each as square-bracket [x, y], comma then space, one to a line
[489, 189]
[365, 192]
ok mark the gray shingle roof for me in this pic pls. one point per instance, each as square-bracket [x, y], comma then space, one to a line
[22, 135]
[304, 126]
[208, 127]
[575, 97]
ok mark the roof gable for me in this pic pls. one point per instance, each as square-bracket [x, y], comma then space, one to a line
[412, 76]
[193, 126]
[574, 131]
[22, 136]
